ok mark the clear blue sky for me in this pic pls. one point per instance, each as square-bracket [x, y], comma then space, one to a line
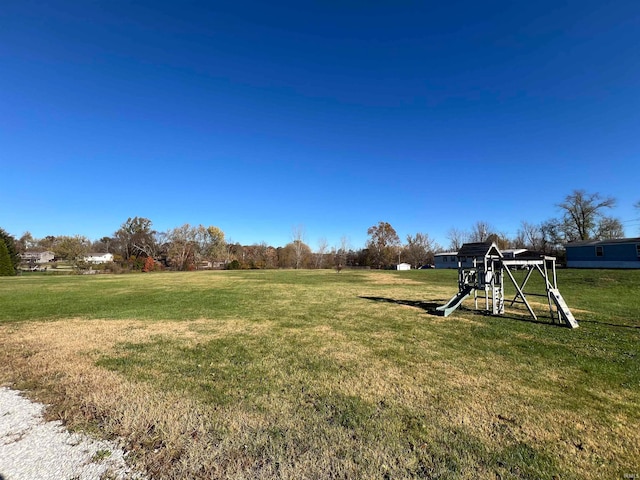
[261, 116]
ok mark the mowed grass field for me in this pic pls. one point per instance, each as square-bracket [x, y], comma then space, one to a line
[315, 374]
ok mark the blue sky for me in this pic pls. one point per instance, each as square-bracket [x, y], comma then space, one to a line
[258, 117]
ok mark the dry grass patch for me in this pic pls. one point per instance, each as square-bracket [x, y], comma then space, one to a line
[317, 425]
[384, 278]
[56, 363]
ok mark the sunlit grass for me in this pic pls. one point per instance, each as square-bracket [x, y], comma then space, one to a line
[306, 374]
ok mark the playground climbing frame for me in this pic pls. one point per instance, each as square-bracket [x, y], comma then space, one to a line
[481, 270]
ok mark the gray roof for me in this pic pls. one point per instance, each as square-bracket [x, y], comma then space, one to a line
[613, 241]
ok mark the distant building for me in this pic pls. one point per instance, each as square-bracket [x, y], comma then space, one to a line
[514, 252]
[618, 253]
[403, 266]
[37, 257]
[209, 265]
[445, 260]
[99, 258]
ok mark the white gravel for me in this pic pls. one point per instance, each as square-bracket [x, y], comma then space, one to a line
[32, 449]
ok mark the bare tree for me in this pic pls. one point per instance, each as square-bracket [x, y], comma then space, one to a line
[340, 254]
[582, 214]
[103, 245]
[419, 249]
[297, 237]
[187, 245]
[135, 237]
[258, 255]
[480, 231]
[232, 251]
[262, 255]
[553, 236]
[456, 238]
[320, 253]
[26, 242]
[183, 246]
[271, 257]
[529, 236]
[610, 228]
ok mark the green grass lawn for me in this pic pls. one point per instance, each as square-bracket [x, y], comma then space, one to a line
[315, 374]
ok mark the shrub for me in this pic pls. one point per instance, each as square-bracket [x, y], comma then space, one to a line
[149, 265]
[136, 263]
[115, 267]
[234, 265]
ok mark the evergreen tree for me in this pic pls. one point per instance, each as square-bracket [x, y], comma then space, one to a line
[10, 244]
[6, 265]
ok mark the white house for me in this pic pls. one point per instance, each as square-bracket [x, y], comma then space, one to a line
[99, 258]
[403, 266]
[37, 257]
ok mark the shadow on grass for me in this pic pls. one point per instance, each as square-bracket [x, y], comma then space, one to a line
[545, 320]
[607, 324]
[430, 308]
[541, 320]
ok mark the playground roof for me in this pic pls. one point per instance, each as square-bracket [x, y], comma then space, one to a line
[479, 249]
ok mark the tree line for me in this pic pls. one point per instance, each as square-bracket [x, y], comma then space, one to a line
[583, 216]
[137, 246]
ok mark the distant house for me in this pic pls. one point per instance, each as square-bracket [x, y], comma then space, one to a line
[209, 265]
[514, 252]
[618, 253]
[445, 260]
[450, 259]
[403, 266]
[37, 257]
[99, 258]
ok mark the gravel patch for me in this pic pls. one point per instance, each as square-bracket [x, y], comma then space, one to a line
[33, 449]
